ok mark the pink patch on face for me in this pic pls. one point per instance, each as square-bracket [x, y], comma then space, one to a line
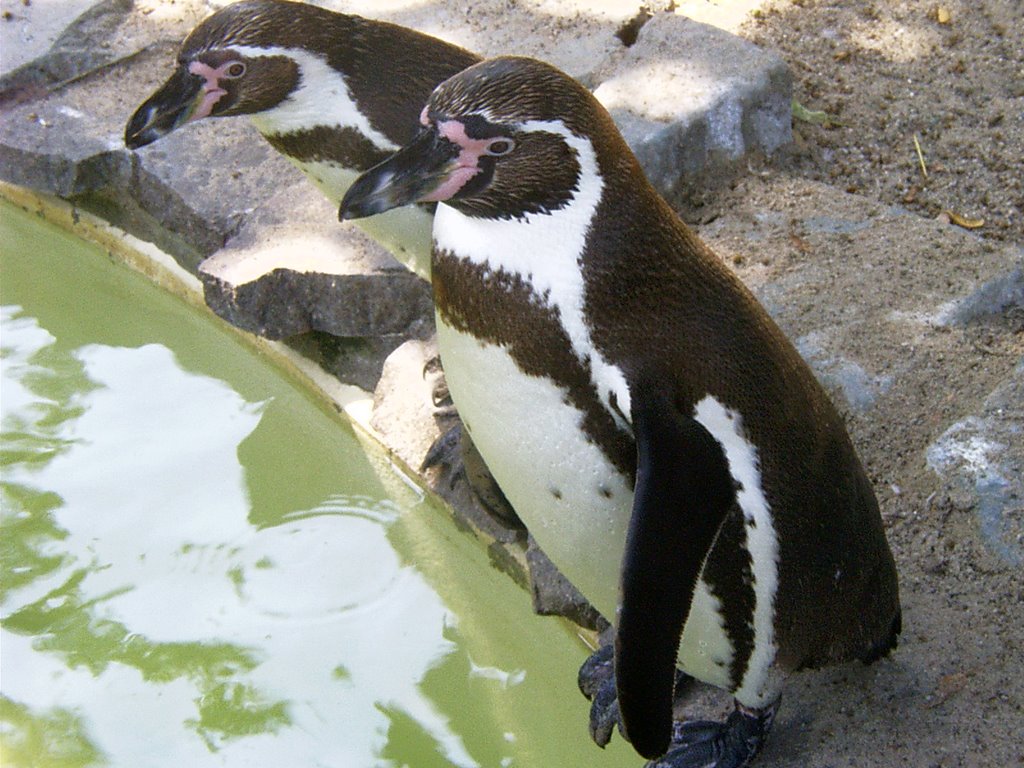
[212, 91]
[455, 181]
[466, 164]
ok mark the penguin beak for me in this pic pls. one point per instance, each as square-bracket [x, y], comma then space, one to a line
[175, 104]
[426, 170]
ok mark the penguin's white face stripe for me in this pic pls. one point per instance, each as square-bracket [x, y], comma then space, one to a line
[545, 249]
[757, 687]
[322, 98]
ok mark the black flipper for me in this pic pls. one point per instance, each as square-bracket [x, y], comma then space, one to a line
[683, 492]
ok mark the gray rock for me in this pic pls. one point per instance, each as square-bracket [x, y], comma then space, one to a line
[1001, 293]
[983, 455]
[689, 97]
[81, 47]
[352, 360]
[859, 388]
[61, 147]
[293, 268]
[554, 595]
[30, 29]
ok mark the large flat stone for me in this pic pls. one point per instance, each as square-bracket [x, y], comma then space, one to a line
[293, 268]
[980, 459]
[689, 97]
[44, 47]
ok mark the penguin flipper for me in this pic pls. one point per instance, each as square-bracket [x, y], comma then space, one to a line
[683, 493]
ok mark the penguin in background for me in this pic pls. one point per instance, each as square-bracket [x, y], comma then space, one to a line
[334, 93]
[662, 440]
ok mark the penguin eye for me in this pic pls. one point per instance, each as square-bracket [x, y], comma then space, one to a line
[235, 70]
[500, 147]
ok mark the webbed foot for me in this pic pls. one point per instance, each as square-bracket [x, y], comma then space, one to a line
[454, 453]
[732, 744]
[440, 397]
[446, 451]
[597, 682]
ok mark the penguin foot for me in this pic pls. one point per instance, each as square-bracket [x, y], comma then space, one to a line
[596, 680]
[732, 744]
[445, 451]
[440, 397]
[457, 458]
[596, 670]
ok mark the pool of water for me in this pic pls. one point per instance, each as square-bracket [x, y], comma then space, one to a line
[201, 567]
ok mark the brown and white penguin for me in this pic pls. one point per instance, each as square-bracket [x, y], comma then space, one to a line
[655, 430]
[332, 92]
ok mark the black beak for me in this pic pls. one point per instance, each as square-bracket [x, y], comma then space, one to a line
[412, 175]
[169, 108]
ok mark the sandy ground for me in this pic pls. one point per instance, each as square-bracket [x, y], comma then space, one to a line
[950, 74]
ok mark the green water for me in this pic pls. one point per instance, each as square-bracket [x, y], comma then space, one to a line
[202, 568]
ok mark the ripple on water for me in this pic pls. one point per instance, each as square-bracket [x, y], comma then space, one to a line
[322, 562]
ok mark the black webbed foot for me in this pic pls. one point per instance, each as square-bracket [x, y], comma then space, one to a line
[597, 682]
[598, 668]
[732, 744]
[454, 454]
[446, 452]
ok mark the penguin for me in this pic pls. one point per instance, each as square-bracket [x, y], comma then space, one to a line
[655, 430]
[332, 92]
[335, 94]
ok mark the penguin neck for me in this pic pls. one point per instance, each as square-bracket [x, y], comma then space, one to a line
[321, 100]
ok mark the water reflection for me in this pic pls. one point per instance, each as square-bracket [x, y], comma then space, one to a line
[199, 568]
[153, 578]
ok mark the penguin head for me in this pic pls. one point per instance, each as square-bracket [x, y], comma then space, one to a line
[505, 138]
[229, 65]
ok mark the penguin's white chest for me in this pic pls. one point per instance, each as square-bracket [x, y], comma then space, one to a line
[571, 497]
[573, 500]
